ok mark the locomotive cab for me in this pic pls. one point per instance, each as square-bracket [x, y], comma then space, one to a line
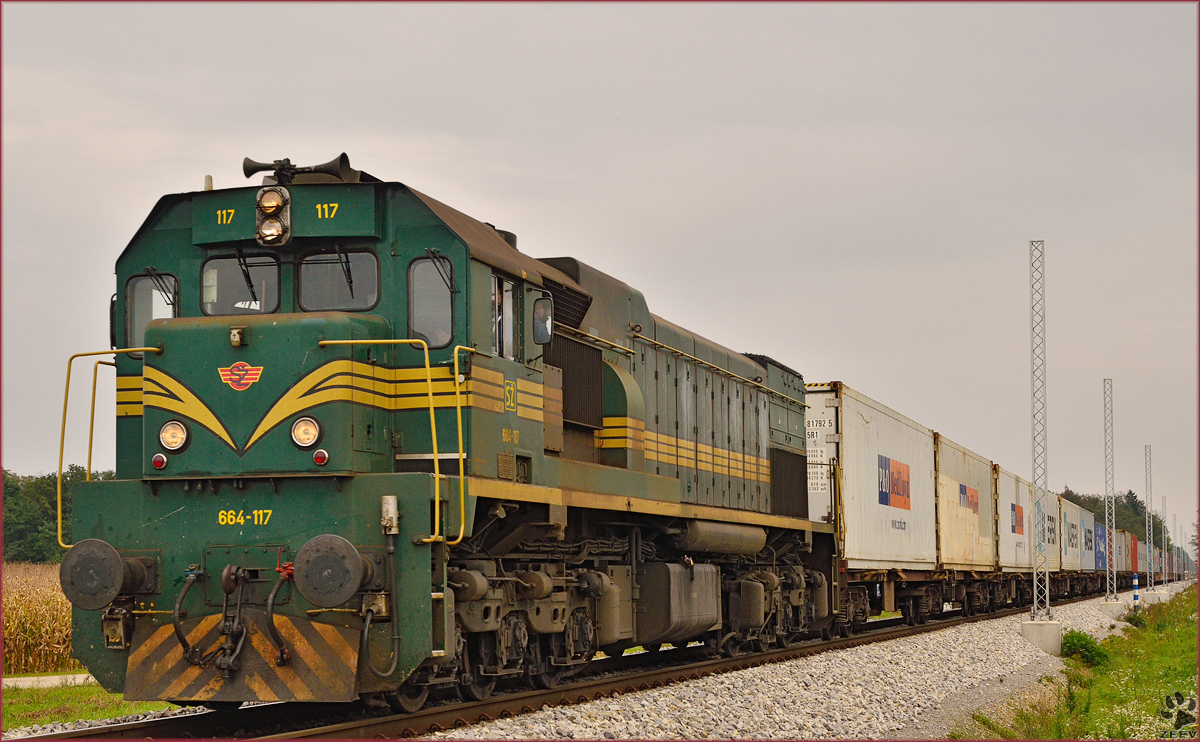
[366, 447]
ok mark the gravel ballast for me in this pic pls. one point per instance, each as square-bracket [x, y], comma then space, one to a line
[909, 688]
[867, 692]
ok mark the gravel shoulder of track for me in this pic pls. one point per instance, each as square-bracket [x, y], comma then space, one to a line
[915, 687]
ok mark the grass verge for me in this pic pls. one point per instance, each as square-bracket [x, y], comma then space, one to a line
[25, 707]
[1118, 699]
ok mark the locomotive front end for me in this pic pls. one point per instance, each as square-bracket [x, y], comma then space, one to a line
[258, 539]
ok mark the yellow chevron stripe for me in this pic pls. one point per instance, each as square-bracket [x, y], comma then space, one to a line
[179, 399]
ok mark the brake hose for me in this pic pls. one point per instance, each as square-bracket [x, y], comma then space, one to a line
[391, 560]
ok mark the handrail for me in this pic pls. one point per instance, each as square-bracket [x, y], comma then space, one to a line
[437, 472]
[580, 333]
[462, 474]
[62, 439]
[718, 369]
[92, 421]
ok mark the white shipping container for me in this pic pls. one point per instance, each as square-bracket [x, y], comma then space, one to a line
[966, 508]
[1053, 532]
[1017, 539]
[1143, 563]
[1072, 535]
[886, 477]
[1122, 545]
[1089, 542]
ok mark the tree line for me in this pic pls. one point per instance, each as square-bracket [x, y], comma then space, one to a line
[30, 519]
[1129, 514]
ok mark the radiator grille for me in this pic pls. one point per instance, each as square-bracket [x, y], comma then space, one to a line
[570, 306]
[789, 483]
[582, 385]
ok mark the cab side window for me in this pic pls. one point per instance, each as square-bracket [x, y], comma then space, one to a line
[430, 301]
[505, 308]
[148, 298]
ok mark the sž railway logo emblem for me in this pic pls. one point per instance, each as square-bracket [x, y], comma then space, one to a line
[240, 375]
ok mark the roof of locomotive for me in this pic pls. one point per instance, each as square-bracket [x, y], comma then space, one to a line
[483, 242]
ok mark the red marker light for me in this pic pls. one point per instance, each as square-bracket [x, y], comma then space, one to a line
[159, 461]
[320, 457]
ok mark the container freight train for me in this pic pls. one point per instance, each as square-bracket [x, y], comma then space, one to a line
[366, 449]
[923, 522]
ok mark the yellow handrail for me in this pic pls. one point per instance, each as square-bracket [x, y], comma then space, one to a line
[462, 495]
[62, 440]
[92, 421]
[437, 471]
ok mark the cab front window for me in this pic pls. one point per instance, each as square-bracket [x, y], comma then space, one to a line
[240, 285]
[340, 280]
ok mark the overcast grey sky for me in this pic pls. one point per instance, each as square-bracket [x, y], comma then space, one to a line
[862, 179]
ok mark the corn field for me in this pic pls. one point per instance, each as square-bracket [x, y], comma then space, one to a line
[37, 620]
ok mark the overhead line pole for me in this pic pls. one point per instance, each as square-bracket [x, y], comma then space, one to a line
[1110, 594]
[1149, 525]
[1037, 317]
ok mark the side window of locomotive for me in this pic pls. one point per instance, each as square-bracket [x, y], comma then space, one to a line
[346, 281]
[505, 306]
[229, 286]
[148, 298]
[430, 303]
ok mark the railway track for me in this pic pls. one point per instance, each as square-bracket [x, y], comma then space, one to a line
[605, 678]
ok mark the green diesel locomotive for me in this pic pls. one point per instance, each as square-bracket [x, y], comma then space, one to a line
[366, 448]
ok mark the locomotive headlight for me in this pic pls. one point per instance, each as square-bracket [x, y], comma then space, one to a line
[270, 201]
[173, 435]
[270, 230]
[305, 432]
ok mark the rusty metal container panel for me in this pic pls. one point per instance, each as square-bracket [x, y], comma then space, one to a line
[1088, 560]
[1014, 499]
[1072, 535]
[1121, 547]
[886, 478]
[966, 510]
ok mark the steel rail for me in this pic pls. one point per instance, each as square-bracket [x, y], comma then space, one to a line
[438, 718]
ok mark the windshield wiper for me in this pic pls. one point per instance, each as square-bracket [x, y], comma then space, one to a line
[160, 283]
[344, 260]
[241, 259]
[447, 276]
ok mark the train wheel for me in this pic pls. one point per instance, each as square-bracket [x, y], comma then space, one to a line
[480, 686]
[921, 617]
[909, 610]
[548, 678]
[409, 698]
[732, 648]
[652, 647]
[785, 640]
